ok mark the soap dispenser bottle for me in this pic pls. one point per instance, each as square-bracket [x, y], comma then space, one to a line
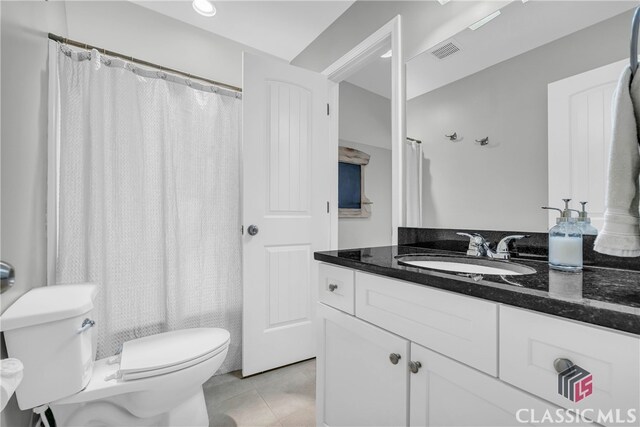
[565, 242]
[584, 222]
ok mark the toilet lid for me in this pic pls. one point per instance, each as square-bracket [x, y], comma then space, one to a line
[169, 351]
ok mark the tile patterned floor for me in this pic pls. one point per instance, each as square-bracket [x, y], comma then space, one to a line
[282, 397]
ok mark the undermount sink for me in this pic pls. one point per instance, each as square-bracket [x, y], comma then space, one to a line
[466, 265]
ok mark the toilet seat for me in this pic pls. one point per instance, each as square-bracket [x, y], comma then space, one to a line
[170, 351]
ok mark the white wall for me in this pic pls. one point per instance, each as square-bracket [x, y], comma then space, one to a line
[365, 117]
[365, 124]
[24, 135]
[502, 186]
[23, 150]
[127, 28]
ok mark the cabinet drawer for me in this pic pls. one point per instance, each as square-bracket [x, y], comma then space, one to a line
[336, 287]
[530, 343]
[447, 393]
[460, 327]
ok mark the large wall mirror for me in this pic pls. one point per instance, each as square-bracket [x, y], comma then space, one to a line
[528, 96]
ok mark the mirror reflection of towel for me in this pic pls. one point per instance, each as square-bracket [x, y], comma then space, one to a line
[620, 235]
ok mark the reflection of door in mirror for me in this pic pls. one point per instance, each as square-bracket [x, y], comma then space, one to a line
[580, 137]
[495, 84]
[365, 139]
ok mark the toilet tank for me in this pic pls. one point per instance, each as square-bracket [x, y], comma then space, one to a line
[50, 330]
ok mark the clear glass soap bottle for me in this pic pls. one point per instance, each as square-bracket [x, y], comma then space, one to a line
[565, 242]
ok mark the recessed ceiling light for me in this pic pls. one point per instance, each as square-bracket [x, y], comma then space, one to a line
[387, 54]
[204, 7]
[443, 2]
[484, 20]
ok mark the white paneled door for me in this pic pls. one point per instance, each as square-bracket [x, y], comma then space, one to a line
[286, 154]
[580, 137]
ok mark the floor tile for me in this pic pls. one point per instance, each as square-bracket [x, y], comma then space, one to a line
[309, 368]
[226, 389]
[224, 378]
[301, 418]
[292, 394]
[246, 409]
[281, 397]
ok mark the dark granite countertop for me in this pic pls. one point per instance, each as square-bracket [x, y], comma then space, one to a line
[601, 296]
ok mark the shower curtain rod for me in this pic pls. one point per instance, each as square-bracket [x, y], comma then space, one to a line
[75, 43]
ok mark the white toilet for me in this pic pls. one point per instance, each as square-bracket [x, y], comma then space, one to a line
[156, 380]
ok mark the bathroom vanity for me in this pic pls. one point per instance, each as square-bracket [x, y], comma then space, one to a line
[400, 345]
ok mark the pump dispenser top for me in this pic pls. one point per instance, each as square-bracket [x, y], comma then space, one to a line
[565, 241]
[565, 214]
[584, 222]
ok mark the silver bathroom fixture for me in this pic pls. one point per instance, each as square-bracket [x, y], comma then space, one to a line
[483, 141]
[478, 246]
[417, 141]
[7, 276]
[452, 137]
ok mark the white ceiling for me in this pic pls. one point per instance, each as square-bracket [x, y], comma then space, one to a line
[280, 28]
[520, 28]
[375, 77]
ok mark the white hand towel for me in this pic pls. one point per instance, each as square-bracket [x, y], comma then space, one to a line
[620, 235]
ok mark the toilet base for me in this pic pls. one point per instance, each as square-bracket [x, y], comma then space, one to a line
[112, 412]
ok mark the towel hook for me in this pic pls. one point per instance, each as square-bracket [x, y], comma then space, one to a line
[483, 141]
[453, 136]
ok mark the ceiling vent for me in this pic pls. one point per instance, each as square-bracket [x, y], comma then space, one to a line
[445, 49]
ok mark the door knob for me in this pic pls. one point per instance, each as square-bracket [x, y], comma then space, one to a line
[332, 287]
[252, 230]
[395, 358]
[414, 367]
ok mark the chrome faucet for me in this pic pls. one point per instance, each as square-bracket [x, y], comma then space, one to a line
[478, 246]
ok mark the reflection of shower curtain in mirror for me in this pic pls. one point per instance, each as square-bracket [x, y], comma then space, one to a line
[148, 203]
[413, 183]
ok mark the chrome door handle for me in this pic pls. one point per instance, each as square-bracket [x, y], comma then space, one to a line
[414, 367]
[394, 358]
[252, 230]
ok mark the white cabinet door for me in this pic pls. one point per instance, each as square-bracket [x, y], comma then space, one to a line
[447, 393]
[285, 191]
[357, 383]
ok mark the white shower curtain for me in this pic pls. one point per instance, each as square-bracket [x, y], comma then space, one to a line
[413, 183]
[148, 199]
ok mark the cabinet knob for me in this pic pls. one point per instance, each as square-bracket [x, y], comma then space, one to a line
[562, 365]
[414, 367]
[332, 287]
[395, 358]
